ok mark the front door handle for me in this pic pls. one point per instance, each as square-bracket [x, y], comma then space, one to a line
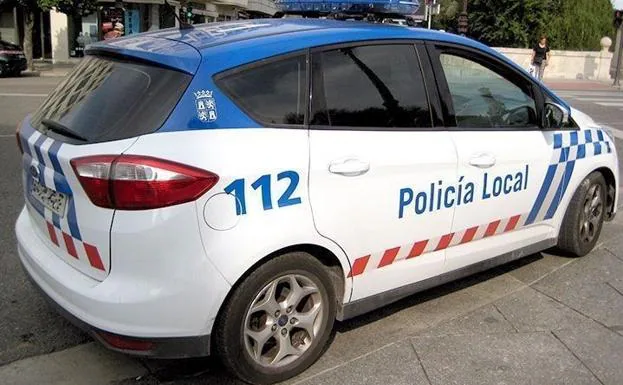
[482, 160]
[349, 167]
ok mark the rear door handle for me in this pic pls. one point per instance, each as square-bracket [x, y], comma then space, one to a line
[482, 160]
[349, 167]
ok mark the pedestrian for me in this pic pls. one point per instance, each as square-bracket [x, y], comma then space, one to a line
[540, 57]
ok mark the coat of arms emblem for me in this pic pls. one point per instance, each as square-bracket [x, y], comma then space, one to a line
[206, 106]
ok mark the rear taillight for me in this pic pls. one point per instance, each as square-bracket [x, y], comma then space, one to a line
[132, 182]
[19, 140]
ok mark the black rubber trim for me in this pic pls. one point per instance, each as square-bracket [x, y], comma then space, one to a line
[365, 305]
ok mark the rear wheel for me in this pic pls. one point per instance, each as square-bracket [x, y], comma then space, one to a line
[584, 218]
[278, 320]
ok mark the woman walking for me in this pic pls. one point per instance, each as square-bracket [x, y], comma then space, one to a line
[540, 56]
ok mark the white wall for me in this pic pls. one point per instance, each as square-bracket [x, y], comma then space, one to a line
[60, 43]
[567, 64]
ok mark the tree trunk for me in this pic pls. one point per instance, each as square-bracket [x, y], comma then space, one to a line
[29, 21]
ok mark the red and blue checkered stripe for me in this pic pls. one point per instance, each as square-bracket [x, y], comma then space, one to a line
[72, 242]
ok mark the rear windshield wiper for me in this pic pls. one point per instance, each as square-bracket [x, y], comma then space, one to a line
[62, 129]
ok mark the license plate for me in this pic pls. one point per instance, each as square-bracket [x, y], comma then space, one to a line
[51, 199]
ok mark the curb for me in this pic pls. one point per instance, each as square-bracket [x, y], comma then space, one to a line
[44, 74]
[30, 74]
[53, 74]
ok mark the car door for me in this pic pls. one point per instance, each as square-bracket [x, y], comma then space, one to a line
[511, 171]
[377, 163]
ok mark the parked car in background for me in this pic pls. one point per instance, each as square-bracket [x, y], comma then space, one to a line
[12, 59]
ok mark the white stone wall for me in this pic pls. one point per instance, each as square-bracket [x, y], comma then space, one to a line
[568, 64]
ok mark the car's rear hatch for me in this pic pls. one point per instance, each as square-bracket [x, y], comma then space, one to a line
[118, 92]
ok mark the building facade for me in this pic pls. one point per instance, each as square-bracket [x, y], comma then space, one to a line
[12, 30]
[62, 38]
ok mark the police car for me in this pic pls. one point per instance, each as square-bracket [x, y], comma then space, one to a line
[235, 188]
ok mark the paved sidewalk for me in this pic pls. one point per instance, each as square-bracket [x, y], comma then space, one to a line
[47, 69]
[551, 321]
[580, 85]
[83, 364]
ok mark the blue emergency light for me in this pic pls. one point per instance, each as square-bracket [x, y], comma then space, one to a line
[324, 7]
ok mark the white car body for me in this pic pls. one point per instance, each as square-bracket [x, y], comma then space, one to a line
[385, 205]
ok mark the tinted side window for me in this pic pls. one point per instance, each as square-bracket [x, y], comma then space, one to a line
[273, 93]
[369, 86]
[484, 99]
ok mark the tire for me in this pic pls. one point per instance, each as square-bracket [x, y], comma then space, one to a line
[584, 218]
[304, 326]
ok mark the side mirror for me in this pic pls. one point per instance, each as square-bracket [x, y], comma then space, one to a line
[556, 116]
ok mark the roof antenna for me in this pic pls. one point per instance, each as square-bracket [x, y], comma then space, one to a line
[183, 23]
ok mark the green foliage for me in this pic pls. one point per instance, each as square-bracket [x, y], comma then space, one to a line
[71, 7]
[447, 19]
[26, 5]
[580, 24]
[568, 24]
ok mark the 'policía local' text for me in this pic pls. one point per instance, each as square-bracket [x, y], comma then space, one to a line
[440, 195]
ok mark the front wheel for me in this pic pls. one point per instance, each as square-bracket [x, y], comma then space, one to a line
[584, 218]
[278, 320]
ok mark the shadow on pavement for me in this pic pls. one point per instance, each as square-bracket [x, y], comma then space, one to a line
[210, 371]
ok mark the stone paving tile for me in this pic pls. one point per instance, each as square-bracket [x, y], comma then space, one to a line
[486, 320]
[584, 286]
[369, 332]
[534, 267]
[395, 364]
[530, 311]
[612, 231]
[472, 293]
[600, 349]
[513, 358]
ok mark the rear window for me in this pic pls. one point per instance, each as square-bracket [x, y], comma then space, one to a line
[105, 99]
[271, 93]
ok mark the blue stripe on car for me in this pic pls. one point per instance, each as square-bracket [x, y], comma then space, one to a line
[562, 188]
[62, 186]
[551, 171]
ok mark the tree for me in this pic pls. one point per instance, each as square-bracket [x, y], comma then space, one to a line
[507, 23]
[568, 24]
[447, 19]
[579, 24]
[73, 8]
[29, 8]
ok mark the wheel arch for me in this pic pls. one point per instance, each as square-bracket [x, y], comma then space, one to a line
[611, 194]
[327, 257]
[611, 184]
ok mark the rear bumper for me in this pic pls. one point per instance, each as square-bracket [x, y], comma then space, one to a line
[13, 65]
[175, 347]
[146, 315]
